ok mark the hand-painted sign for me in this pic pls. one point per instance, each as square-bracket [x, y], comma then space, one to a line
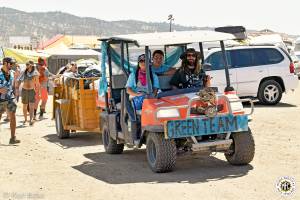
[206, 126]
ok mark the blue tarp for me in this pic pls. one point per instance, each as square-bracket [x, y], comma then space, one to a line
[171, 60]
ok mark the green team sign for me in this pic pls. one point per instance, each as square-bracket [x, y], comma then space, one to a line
[206, 126]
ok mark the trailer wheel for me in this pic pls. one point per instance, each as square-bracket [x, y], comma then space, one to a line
[60, 131]
[110, 145]
[242, 148]
[161, 153]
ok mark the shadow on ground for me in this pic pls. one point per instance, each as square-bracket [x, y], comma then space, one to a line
[279, 105]
[131, 167]
[80, 139]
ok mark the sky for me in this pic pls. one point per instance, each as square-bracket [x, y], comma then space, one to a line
[277, 15]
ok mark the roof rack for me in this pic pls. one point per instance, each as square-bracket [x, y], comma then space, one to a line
[262, 44]
[241, 45]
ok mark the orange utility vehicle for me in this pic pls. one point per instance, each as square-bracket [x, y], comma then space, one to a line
[166, 124]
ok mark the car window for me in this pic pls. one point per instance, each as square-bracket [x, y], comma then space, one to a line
[273, 56]
[242, 57]
[259, 57]
[216, 60]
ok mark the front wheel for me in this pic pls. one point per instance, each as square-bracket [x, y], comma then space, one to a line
[110, 145]
[161, 153]
[242, 149]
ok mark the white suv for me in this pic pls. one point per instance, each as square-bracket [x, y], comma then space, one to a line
[264, 72]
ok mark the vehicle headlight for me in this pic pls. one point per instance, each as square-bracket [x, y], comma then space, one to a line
[168, 113]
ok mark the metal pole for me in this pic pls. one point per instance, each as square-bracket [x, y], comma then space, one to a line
[128, 59]
[110, 75]
[170, 17]
[165, 51]
[148, 71]
[122, 58]
[202, 52]
[228, 86]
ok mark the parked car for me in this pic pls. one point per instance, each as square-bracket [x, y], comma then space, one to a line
[262, 71]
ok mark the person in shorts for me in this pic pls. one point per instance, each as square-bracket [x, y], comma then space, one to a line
[43, 80]
[7, 101]
[30, 79]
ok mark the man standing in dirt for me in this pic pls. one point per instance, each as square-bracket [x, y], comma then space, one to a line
[7, 96]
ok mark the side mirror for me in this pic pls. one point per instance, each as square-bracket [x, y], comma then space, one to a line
[207, 66]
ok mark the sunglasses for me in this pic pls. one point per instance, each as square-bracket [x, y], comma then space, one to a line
[142, 61]
[190, 55]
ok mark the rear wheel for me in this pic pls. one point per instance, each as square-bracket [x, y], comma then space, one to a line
[161, 153]
[60, 131]
[110, 145]
[242, 149]
[270, 92]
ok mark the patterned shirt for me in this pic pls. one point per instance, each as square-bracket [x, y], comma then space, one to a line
[182, 79]
[7, 82]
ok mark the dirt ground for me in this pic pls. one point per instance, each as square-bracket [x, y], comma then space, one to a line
[44, 167]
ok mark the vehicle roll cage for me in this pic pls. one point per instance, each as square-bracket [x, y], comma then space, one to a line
[124, 45]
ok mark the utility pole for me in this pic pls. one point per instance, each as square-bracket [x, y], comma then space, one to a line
[170, 18]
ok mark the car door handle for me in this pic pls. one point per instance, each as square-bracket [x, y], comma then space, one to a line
[260, 71]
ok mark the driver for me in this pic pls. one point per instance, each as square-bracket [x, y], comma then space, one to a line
[190, 74]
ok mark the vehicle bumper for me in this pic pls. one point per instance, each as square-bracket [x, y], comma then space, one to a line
[291, 82]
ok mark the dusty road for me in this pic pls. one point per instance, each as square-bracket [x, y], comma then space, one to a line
[44, 167]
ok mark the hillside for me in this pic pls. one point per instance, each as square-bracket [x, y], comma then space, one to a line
[47, 24]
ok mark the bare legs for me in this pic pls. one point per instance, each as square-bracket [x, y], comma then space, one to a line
[25, 112]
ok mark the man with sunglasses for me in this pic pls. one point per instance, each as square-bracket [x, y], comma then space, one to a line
[7, 96]
[190, 74]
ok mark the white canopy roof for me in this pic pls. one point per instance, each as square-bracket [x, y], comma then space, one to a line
[172, 38]
[66, 51]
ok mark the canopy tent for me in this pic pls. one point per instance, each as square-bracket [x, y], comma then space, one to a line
[70, 41]
[87, 62]
[61, 57]
[74, 52]
[22, 56]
